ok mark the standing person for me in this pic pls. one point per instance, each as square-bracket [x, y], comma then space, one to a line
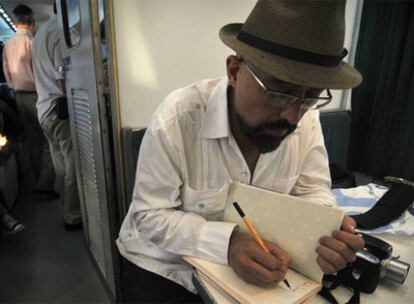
[259, 126]
[50, 86]
[17, 67]
[11, 127]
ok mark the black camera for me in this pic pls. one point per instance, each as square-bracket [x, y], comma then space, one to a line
[375, 262]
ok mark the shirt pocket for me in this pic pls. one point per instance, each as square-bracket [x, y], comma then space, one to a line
[208, 203]
[284, 185]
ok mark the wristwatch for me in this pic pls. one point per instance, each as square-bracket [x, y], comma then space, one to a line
[399, 180]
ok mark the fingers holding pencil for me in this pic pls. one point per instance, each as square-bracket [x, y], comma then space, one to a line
[254, 265]
[274, 258]
[282, 256]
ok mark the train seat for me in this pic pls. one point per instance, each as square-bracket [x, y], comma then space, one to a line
[335, 128]
[131, 142]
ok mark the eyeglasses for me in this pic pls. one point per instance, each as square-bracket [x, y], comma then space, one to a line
[286, 100]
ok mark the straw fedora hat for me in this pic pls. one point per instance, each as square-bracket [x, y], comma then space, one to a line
[298, 41]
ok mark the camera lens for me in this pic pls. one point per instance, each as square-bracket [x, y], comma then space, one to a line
[395, 270]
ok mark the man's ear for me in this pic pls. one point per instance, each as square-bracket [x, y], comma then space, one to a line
[233, 67]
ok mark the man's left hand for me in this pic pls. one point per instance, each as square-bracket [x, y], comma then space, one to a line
[335, 252]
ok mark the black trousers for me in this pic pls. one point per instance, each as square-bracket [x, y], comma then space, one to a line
[141, 286]
[3, 208]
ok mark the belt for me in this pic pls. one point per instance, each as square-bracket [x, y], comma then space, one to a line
[26, 92]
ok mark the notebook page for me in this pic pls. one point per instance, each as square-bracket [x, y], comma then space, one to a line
[219, 295]
[225, 277]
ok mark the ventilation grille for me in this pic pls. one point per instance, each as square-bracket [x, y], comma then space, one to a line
[86, 152]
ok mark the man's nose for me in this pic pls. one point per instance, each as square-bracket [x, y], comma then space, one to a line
[293, 113]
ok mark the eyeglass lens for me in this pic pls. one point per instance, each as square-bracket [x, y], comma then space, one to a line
[283, 100]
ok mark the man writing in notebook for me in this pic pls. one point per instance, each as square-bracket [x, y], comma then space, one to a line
[259, 126]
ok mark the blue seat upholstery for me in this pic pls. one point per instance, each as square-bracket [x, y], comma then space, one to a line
[335, 127]
[131, 140]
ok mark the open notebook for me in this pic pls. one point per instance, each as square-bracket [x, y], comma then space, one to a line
[223, 282]
[295, 224]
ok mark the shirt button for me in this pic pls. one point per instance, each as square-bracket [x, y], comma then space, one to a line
[244, 173]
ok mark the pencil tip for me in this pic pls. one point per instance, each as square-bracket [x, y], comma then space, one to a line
[286, 283]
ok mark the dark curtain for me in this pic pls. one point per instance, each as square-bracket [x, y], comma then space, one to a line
[382, 128]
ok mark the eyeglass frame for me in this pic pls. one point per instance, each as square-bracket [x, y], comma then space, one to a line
[294, 98]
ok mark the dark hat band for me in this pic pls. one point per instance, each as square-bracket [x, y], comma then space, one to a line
[289, 52]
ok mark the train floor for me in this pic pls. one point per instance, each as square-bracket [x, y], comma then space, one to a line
[44, 263]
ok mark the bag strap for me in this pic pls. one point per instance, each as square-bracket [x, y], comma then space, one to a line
[394, 202]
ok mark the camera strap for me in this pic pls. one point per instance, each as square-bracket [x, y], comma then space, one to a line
[344, 278]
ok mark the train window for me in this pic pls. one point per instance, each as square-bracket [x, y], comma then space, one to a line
[71, 22]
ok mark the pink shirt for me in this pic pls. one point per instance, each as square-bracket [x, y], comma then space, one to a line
[17, 61]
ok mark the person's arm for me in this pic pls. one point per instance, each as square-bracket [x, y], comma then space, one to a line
[58, 62]
[6, 70]
[156, 216]
[61, 85]
[30, 54]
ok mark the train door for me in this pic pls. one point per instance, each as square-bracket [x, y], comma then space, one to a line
[90, 127]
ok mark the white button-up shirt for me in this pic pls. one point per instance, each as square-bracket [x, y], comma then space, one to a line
[188, 159]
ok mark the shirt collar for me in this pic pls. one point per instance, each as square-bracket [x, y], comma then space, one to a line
[216, 120]
[24, 31]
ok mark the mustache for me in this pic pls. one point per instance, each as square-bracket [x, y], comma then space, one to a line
[280, 124]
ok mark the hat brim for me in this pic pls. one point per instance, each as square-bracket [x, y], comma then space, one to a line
[342, 76]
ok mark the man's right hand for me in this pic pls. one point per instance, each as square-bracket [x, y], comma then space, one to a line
[254, 265]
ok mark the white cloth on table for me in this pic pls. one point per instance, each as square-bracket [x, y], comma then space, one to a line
[360, 199]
